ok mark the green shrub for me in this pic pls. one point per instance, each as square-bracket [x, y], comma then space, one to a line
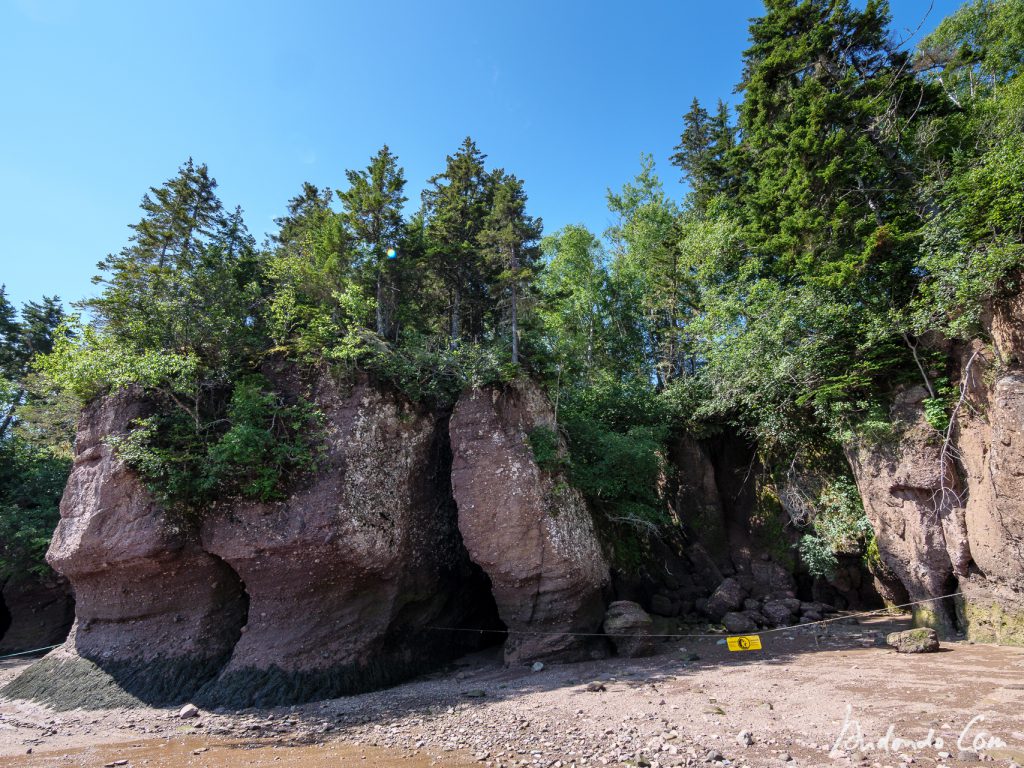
[31, 483]
[544, 444]
[840, 527]
[818, 556]
[258, 445]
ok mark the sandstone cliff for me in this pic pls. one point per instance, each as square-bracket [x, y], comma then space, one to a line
[529, 530]
[948, 505]
[327, 592]
[358, 579]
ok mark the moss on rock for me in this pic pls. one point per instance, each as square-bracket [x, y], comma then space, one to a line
[70, 682]
[989, 622]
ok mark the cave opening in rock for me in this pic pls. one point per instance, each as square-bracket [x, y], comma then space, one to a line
[951, 587]
[235, 601]
[484, 615]
[5, 614]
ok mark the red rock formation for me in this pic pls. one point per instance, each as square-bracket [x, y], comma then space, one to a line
[345, 576]
[990, 446]
[153, 608]
[912, 496]
[528, 529]
[337, 589]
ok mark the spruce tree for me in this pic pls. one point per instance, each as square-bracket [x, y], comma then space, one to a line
[372, 209]
[510, 239]
[703, 152]
[306, 213]
[826, 180]
[187, 280]
[455, 203]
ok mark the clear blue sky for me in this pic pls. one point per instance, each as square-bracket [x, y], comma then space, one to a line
[102, 99]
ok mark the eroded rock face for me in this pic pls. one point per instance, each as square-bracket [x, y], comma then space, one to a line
[529, 531]
[345, 575]
[337, 589]
[38, 612]
[739, 530]
[949, 513]
[991, 446]
[153, 609]
[912, 495]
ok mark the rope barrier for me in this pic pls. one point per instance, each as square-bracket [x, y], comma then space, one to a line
[706, 635]
[34, 650]
[716, 636]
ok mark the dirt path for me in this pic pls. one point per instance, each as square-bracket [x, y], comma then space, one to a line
[792, 701]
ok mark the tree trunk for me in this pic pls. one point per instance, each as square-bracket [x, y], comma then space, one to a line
[381, 323]
[456, 317]
[515, 328]
[515, 308]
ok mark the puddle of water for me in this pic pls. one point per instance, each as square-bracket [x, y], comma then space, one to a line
[173, 753]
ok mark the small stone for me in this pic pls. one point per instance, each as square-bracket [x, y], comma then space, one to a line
[596, 687]
[712, 756]
[188, 711]
[476, 693]
[745, 738]
[538, 666]
[785, 757]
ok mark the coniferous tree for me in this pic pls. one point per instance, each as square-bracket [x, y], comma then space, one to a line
[306, 213]
[455, 204]
[703, 152]
[826, 102]
[510, 238]
[372, 209]
[21, 339]
[179, 219]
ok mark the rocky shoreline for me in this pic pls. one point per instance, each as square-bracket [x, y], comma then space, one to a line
[689, 705]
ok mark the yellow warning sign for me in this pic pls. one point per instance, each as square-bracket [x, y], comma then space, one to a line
[744, 643]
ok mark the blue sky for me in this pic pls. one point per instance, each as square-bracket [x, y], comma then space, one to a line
[100, 100]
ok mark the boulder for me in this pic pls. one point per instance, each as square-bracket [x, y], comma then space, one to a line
[793, 604]
[768, 577]
[629, 627]
[727, 597]
[757, 617]
[525, 526]
[664, 606]
[738, 623]
[777, 613]
[919, 640]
